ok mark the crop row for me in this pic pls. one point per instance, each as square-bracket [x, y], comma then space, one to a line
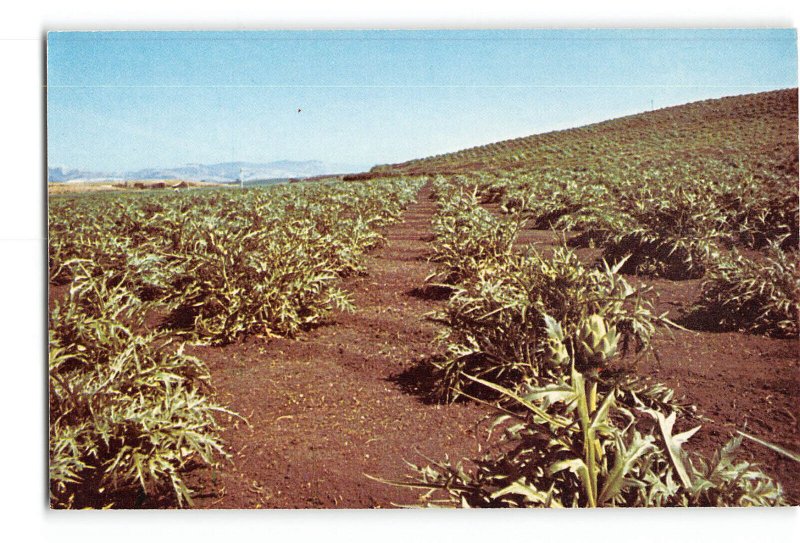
[142, 274]
[737, 232]
[548, 342]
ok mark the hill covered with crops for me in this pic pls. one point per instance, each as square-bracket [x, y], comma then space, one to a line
[757, 132]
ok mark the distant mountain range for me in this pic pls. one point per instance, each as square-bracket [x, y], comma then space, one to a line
[224, 172]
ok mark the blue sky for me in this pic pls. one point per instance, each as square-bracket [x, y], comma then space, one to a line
[129, 100]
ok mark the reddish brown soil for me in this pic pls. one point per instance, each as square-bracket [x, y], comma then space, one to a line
[737, 381]
[347, 398]
[340, 401]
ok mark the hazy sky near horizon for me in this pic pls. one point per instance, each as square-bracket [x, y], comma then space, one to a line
[130, 100]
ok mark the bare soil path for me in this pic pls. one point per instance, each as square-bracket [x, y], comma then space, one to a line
[339, 401]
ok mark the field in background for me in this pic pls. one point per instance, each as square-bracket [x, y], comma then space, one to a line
[756, 131]
[120, 186]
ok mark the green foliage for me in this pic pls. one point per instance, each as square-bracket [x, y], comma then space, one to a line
[129, 410]
[569, 444]
[667, 193]
[671, 231]
[759, 294]
[761, 209]
[753, 134]
[227, 263]
[668, 188]
[468, 238]
[775, 448]
[126, 410]
[669, 221]
[275, 280]
[497, 329]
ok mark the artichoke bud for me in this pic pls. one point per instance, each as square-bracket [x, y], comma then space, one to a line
[559, 355]
[597, 341]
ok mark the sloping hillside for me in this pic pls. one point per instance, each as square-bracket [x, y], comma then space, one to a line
[755, 131]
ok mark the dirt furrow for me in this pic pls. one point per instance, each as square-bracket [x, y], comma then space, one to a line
[340, 401]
